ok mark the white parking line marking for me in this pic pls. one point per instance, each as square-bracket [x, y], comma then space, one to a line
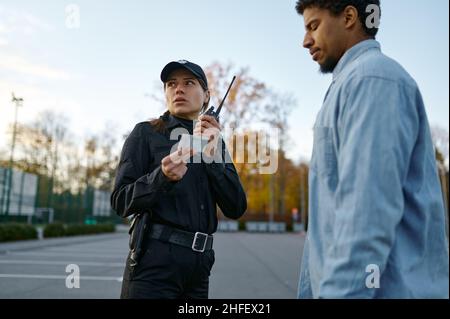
[41, 262]
[49, 254]
[93, 251]
[23, 276]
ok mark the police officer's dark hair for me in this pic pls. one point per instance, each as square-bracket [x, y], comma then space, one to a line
[336, 7]
[159, 124]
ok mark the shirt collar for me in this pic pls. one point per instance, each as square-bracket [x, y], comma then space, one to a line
[353, 53]
[174, 121]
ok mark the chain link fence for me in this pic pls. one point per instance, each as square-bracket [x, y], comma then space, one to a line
[26, 197]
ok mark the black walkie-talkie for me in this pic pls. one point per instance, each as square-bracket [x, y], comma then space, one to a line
[211, 111]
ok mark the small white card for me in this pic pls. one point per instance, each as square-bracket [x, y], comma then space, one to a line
[195, 142]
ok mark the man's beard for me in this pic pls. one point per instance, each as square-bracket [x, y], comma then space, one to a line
[329, 65]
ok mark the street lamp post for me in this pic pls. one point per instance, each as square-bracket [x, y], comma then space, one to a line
[18, 103]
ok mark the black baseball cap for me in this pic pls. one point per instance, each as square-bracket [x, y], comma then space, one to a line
[184, 64]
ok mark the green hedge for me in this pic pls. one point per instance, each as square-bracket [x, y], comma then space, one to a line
[289, 227]
[54, 230]
[60, 230]
[14, 231]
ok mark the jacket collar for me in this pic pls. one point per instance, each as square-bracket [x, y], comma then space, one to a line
[174, 121]
[353, 53]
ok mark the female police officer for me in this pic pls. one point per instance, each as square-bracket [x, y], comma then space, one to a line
[179, 198]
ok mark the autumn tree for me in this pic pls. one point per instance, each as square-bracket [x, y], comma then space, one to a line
[100, 159]
[244, 103]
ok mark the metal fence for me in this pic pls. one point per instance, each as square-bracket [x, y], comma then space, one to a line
[29, 198]
[18, 192]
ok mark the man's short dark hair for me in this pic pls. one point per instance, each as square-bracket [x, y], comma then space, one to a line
[336, 7]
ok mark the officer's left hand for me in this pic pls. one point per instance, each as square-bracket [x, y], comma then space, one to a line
[209, 127]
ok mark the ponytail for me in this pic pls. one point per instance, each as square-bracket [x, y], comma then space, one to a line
[159, 124]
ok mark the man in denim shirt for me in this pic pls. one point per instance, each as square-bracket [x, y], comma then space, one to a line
[376, 216]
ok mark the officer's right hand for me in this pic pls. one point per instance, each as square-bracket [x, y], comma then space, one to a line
[174, 165]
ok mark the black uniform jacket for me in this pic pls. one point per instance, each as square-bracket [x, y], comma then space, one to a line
[189, 204]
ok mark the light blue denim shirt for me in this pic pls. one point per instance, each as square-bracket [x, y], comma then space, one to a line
[375, 201]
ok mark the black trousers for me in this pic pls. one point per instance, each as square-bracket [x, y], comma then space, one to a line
[168, 271]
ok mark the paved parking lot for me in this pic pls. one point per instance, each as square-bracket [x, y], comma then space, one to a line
[248, 266]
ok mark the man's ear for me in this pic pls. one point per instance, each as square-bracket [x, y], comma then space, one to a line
[351, 17]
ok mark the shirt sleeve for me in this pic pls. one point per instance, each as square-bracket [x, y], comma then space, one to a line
[377, 129]
[304, 284]
[226, 185]
[136, 189]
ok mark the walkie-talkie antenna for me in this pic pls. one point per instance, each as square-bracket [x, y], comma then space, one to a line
[211, 111]
[225, 97]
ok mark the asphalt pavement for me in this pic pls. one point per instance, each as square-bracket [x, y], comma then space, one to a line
[248, 266]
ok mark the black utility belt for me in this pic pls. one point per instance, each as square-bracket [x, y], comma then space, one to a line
[198, 242]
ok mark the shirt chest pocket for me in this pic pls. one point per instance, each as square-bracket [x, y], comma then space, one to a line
[323, 160]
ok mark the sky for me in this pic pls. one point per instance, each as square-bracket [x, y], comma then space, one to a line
[100, 72]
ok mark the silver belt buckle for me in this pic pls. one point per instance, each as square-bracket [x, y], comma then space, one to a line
[197, 234]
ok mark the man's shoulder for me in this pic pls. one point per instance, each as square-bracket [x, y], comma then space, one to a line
[377, 65]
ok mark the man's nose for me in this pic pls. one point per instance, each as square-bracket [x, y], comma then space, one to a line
[307, 41]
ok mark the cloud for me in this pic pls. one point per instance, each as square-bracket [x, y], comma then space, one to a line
[35, 24]
[21, 65]
[21, 22]
[36, 100]
[3, 40]
[14, 24]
